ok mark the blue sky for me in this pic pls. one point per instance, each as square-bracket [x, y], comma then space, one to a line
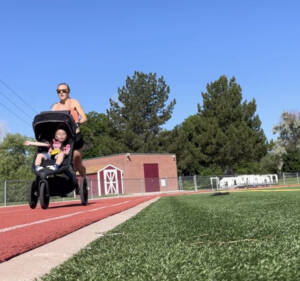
[95, 45]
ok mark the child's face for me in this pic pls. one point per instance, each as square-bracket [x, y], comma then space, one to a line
[60, 135]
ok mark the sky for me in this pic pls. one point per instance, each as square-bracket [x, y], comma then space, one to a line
[95, 45]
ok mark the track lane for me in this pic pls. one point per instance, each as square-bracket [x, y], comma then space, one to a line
[22, 229]
[24, 214]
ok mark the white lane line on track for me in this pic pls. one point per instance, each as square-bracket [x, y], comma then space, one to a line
[16, 209]
[58, 218]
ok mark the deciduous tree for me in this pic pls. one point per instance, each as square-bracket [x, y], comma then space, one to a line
[15, 158]
[99, 136]
[287, 145]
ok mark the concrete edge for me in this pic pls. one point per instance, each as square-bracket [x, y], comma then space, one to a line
[39, 261]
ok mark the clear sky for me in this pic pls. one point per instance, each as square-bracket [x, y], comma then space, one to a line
[95, 45]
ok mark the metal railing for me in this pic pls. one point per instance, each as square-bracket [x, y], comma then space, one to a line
[289, 178]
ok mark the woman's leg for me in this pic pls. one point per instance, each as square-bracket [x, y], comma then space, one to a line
[78, 164]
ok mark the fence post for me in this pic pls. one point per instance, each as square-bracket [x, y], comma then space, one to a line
[167, 182]
[4, 202]
[91, 184]
[283, 177]
[195, 182]
[297, 178]
[180, 183]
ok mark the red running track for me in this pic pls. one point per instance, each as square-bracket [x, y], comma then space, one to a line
[23, 229]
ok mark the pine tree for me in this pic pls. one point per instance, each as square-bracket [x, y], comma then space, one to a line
[140, 111]
[230, 129]
[223, 135]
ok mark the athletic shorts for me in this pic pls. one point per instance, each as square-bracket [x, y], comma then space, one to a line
[47, 155]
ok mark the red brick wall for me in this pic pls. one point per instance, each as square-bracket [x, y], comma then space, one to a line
[93, 184]
[133, 169]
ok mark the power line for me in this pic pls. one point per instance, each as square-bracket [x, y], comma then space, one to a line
[18, 107]
[15, 93]
[16, 115]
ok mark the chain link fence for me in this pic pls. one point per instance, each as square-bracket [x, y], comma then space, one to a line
[13, 191]
[194, 183]
[290, 178]
[16, 191]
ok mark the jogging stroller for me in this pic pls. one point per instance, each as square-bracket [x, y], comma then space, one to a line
[63, 180]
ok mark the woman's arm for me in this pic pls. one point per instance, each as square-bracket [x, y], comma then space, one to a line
[53, 107]
[80, 111]
[36, 143]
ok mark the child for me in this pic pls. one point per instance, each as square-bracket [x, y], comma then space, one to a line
[57, 150]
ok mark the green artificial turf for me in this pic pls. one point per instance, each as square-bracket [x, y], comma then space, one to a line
[240, 236]
[284, 188]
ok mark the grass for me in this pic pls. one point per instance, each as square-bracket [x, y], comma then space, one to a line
[241, 236]
[270, 188]
[288, 180]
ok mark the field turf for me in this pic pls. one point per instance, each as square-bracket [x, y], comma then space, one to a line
[239, 236]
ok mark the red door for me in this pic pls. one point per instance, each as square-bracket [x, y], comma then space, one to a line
[151, 177]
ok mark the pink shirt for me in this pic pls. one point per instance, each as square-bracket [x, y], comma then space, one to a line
[57, 145]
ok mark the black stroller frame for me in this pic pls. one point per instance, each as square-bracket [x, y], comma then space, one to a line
[63, 180]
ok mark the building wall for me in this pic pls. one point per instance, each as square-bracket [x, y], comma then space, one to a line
[93, 184]
[132, 166]
[116, 160]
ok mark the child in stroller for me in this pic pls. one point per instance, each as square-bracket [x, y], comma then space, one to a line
[57, 149]
[53, 165]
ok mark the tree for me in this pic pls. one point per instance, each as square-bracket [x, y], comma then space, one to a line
[140, 111]
[235, 126]
[288, 130]
[291, 161]
[287, 145]
[268, 164]
[15, 159]
[177, 141]
[99, 136]
[225, 133]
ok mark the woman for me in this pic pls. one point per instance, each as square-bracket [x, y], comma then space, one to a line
[78, 114]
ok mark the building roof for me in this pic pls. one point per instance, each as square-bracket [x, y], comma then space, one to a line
[94, 169]
[128, 153]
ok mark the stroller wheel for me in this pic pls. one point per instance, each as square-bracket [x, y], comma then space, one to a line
[44, 195]
[83, 192]
[33, 195]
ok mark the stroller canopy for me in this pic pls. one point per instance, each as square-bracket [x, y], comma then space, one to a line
[46, 123]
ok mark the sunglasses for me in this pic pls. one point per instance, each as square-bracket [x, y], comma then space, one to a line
[65, 91]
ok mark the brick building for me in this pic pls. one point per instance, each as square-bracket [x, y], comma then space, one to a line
[132, 173]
